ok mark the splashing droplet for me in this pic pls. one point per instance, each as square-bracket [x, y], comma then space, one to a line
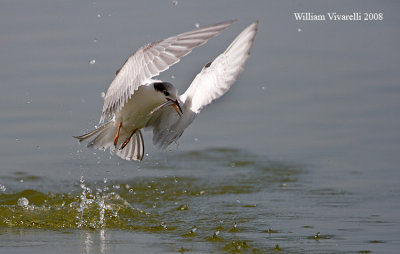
[92, 61]
[174, 2]
[197, 25]
[23, 201]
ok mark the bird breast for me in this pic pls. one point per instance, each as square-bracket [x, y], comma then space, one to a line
[136, 111]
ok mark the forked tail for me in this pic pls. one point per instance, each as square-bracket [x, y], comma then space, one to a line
[104, 138]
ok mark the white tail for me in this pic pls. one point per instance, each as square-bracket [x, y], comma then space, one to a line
[104, 139]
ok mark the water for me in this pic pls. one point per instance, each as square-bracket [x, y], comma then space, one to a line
[301, 156]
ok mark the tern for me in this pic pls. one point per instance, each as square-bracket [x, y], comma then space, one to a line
[135, 101]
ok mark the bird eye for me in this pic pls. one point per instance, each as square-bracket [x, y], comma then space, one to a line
[166, 93]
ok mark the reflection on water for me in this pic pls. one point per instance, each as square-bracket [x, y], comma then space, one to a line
[93, 241]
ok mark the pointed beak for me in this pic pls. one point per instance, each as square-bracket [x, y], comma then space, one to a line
[178, 108]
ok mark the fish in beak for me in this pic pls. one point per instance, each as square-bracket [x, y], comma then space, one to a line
[174, 104]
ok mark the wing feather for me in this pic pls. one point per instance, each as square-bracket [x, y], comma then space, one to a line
[150, 61]
[212, 82]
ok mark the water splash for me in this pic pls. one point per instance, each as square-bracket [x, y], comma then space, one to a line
[23, 202]
[98, 201]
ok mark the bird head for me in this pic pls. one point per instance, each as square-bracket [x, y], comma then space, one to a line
[169, 95]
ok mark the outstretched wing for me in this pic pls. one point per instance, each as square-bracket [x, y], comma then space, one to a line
[212, 82]
[150, 60]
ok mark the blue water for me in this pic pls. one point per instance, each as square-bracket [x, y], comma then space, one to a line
[323, 96]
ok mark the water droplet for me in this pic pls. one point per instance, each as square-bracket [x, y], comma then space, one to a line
[197, 25]
[196, 139]
[172, 76]
[94, 40]
[175, 2]
[2, 187]
[92, 61]
[23, 201]
[21, 181]
[17, 140]
[99, 15]
[103, 94]
[263, 88]
[299, 29]
[105, 180]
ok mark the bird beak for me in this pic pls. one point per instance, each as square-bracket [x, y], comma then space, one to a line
[178, 108]
[174, 104]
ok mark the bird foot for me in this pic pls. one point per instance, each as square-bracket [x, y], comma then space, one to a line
[127, 140]
[117, 135]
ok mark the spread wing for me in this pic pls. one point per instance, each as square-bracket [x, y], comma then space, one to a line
[212, 82]
[150, 60]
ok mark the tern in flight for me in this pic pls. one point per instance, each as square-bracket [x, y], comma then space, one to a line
[135, 101]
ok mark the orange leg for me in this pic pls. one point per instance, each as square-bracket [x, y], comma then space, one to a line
[127, 140]
[117, 135]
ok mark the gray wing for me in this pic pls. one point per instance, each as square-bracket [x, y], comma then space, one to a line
[150, 60]
[212, 82]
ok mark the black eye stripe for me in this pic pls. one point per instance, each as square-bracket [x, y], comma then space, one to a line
[159, 86]
[163, 87]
